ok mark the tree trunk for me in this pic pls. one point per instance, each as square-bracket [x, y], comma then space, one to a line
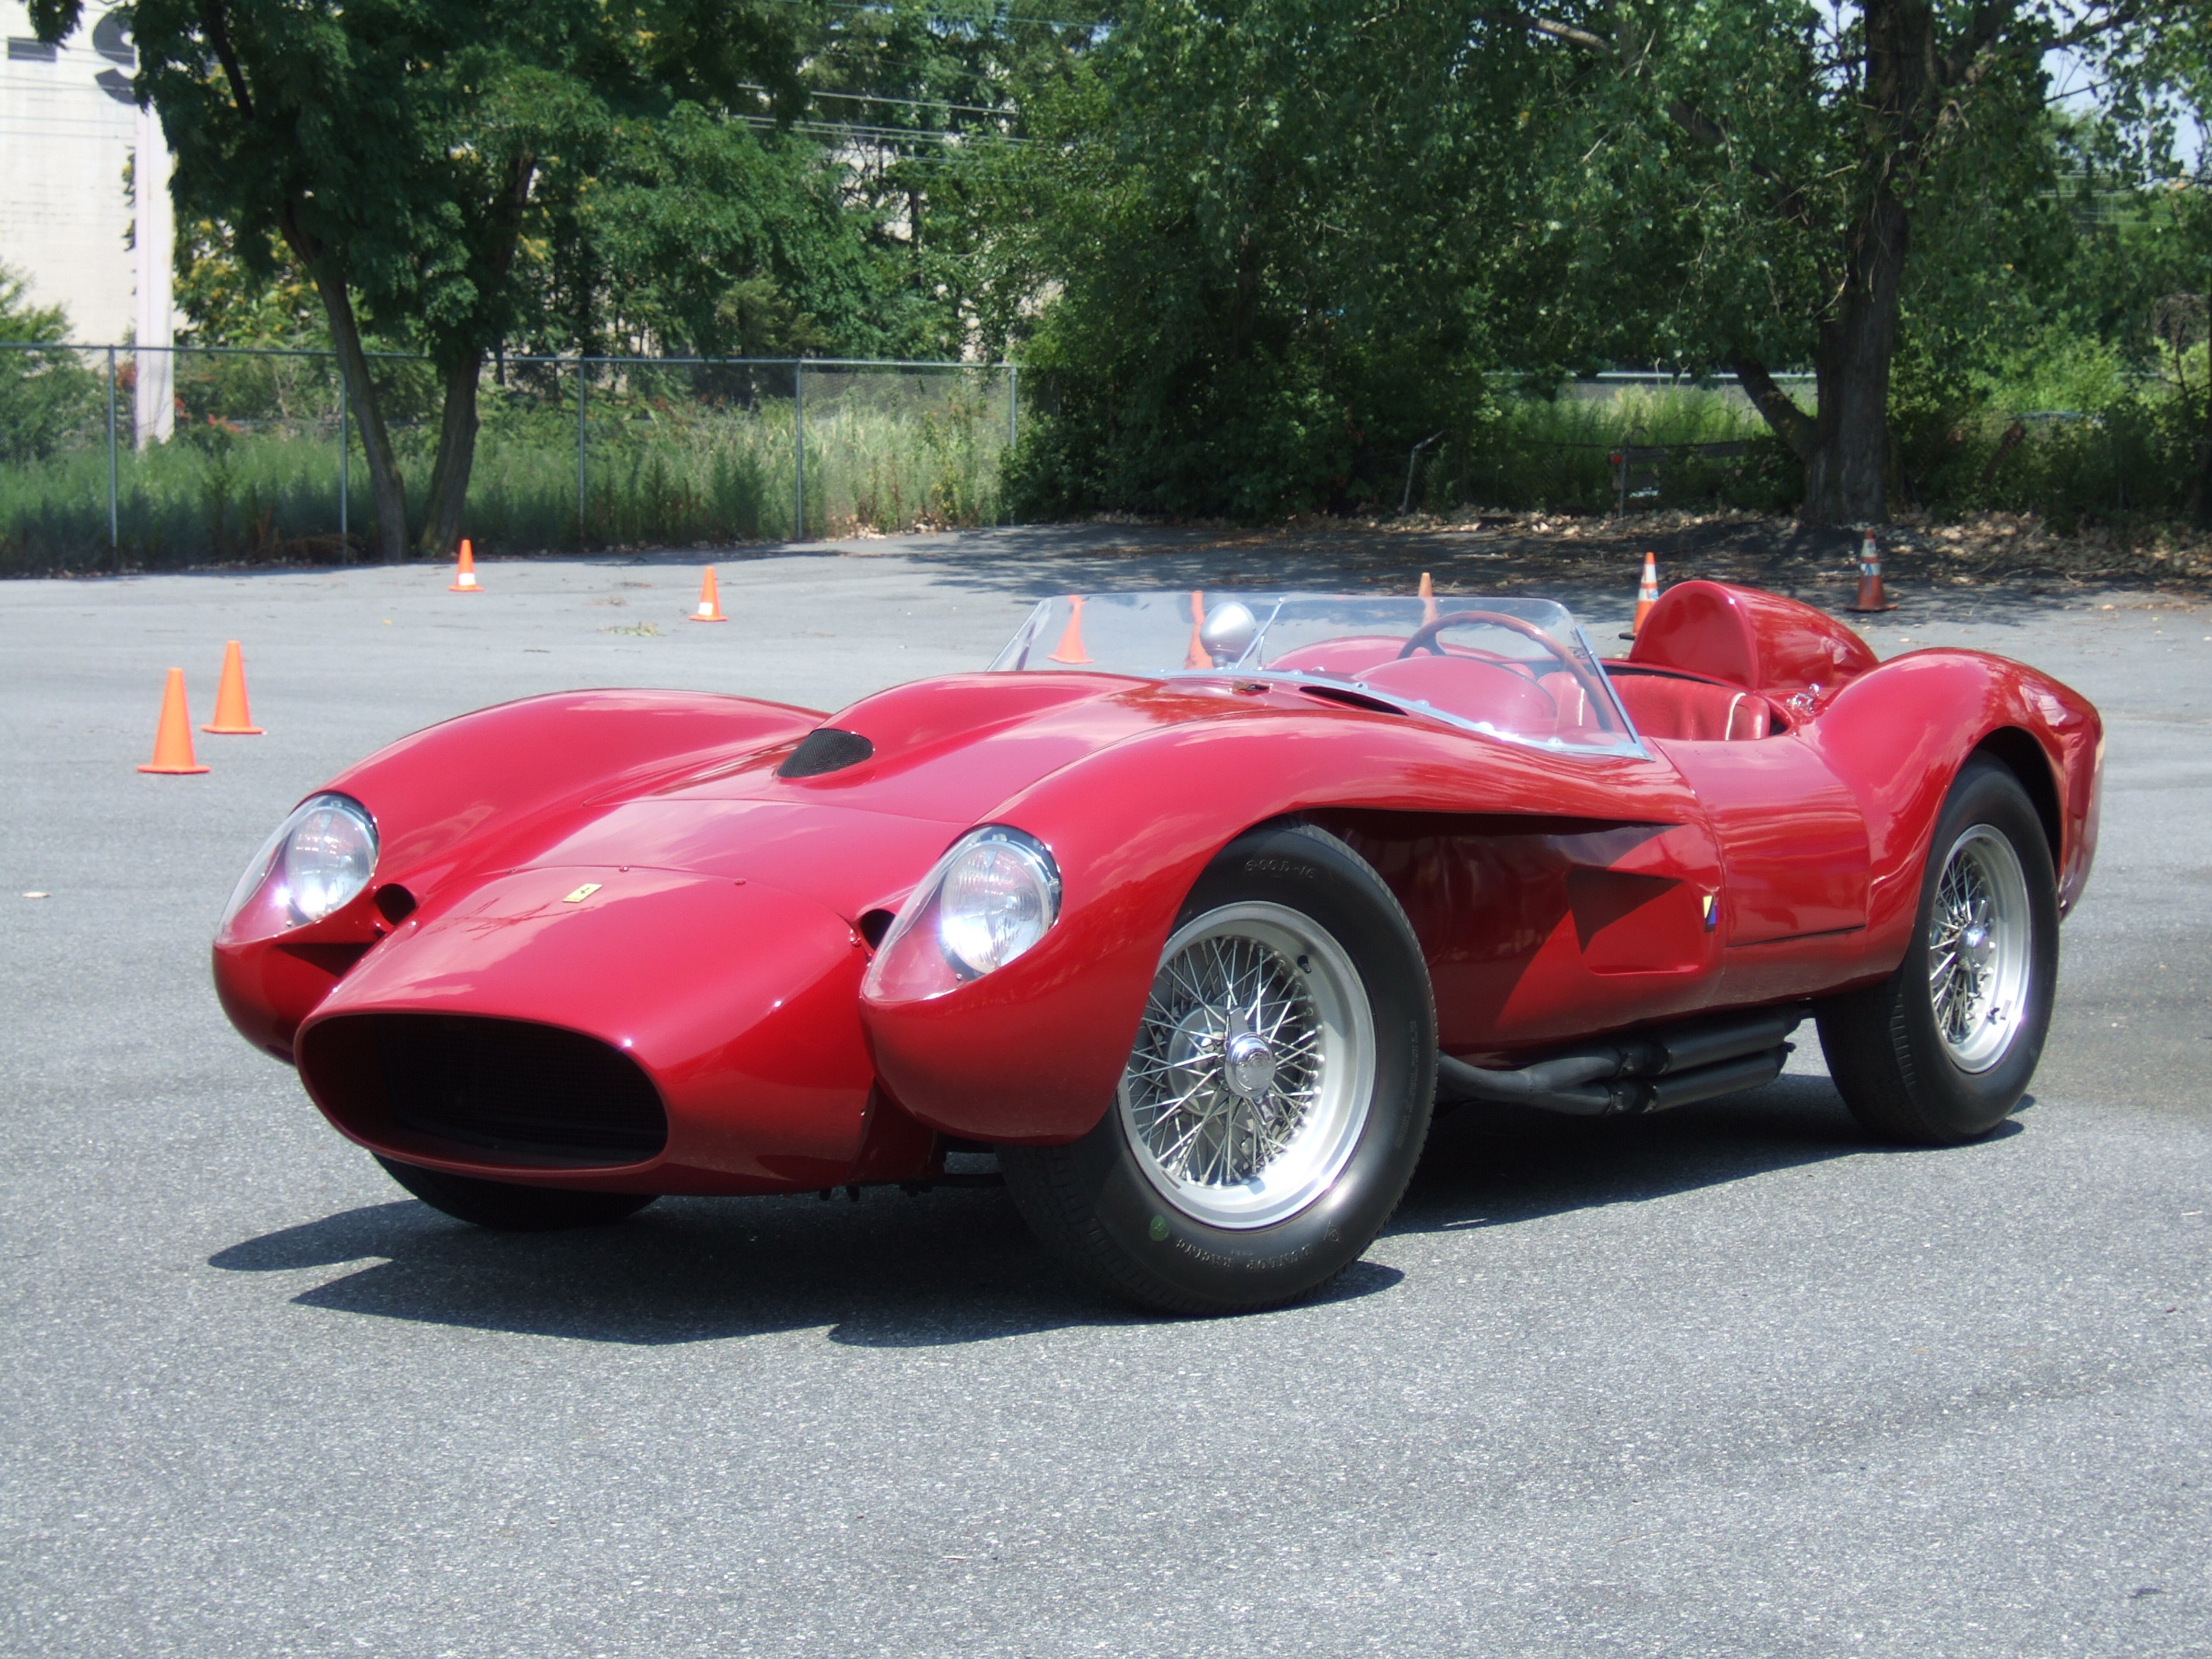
[386, 486]
[1776, 407]
[456, 454]
[463, 355]
[1845, 445]
[1846, 450]
[1845, 481]
[2010, 438]
[2203, 503]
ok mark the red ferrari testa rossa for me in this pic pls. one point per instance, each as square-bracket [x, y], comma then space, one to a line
[1191, 908]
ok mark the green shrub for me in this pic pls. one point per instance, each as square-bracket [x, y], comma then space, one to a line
[48, 399]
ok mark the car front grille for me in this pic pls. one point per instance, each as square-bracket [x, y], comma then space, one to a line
[510, 1086]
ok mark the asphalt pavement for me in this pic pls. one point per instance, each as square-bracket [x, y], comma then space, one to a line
[1728, 1380]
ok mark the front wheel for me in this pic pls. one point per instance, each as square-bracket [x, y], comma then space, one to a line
[1941, 1051]
[1275, 1100]
[510, 1207]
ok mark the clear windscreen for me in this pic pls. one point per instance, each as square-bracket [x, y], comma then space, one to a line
[1515, 668]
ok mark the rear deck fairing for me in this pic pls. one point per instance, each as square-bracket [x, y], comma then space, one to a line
[1896, 733]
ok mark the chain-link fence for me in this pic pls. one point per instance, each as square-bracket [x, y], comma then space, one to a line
[251, 454]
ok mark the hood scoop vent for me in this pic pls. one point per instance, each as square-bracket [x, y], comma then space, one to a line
[1352, 699]
[825, 748]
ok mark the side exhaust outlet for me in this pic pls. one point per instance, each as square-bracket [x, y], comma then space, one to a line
[1647, 1071]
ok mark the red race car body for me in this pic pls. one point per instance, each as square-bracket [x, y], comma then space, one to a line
[651, 942]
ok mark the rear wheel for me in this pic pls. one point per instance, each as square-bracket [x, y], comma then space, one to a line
[1274, 1102]
[1942, 1051]
[510, 1207]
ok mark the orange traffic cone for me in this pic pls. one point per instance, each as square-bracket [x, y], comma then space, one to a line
[710, 600]
[1428, 598]
[464, 573]
[232, 717]
[1198, 656]
[1647, 594]
[1071, 642]
[1871, 596]
[172, 738]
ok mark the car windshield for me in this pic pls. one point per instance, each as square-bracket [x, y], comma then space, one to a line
[1518, 669]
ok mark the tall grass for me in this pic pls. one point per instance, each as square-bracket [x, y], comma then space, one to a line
[2075, 443]
[669, 459]
[683, 457]
[1555, 453]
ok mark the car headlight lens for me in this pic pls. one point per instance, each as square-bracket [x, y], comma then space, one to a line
[319, 860]
[990, 898]
[999, 897]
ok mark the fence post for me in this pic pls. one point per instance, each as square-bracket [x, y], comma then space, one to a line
[798, 443]
[345, 443]
[1013, 403]
[112, 537]
[582, 381]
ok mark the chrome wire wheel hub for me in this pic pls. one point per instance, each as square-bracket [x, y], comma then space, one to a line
[1250, 1079]
[1979, 935]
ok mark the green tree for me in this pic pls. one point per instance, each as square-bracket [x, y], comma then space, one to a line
[45, 396]
[392, 146]
[927, 102]
[2170, 114]
[1764, 174]
[692, 232]
[1279, 229]
[228, 303]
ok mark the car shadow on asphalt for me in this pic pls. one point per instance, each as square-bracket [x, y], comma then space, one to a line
[946, 1267]
[956, 1267]
[1497, 1166]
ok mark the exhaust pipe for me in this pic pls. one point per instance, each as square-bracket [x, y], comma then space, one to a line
[1648, 1071]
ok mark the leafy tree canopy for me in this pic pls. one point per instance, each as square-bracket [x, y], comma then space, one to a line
[1279, 225]
[46, 398]
[393, 146]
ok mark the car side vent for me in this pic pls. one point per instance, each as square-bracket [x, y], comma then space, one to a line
[514, 1087]
[825, 748]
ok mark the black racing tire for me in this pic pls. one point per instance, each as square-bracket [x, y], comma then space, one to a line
[1104, 1207]
[510, 1207]
[1890, 1059]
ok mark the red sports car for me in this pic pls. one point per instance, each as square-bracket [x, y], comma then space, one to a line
[1193, 912]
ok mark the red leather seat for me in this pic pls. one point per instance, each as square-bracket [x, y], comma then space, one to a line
[1663, 705]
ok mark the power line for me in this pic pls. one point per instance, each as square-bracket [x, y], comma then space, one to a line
[993, 16]
[870, 134]
[910, 103]
[918, 103]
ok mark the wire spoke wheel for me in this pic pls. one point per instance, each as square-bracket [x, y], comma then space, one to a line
[1250, 1082]
[1942, 1051]
[1979, 949]
[1275, 1097]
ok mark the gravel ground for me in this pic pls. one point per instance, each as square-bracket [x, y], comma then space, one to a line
[1728, 1380]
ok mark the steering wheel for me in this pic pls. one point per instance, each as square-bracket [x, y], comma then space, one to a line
[1425, 639]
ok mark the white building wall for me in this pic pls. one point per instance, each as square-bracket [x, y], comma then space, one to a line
[68, 131]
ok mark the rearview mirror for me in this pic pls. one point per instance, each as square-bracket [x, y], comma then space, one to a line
[1228, 633]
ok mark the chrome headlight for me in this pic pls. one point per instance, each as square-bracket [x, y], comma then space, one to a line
[1000, 893]
[319, 860]
[990, 898]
